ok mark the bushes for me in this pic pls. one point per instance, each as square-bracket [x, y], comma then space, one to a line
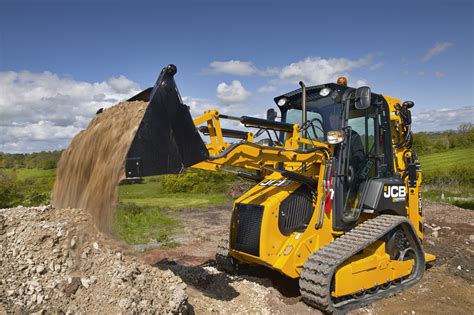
[452, 176]
[8, 188]
[34, 198]
[197, 181]
[431, 142]
[31, 191]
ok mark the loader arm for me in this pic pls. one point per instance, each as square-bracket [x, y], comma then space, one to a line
[249, 155]
[168, 141]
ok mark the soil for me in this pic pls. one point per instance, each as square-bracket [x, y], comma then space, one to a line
[56, 261]
[447, 286]
[93, 164]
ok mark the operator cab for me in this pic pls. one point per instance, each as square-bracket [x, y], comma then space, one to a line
[360, 117]
[323, 108]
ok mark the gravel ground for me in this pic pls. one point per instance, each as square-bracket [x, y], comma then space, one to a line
[56, 261]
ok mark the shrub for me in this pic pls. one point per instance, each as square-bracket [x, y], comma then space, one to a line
[8, 189]
[197, 181]
[34, 198]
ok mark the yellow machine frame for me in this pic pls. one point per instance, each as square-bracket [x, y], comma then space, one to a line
[287, 254]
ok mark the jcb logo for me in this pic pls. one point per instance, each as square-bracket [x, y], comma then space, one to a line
[394, 192]
[276, 182]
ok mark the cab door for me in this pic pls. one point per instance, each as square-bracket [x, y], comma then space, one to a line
[359, 159]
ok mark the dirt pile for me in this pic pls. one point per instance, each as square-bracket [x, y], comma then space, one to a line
[57, 261]
[91, 167]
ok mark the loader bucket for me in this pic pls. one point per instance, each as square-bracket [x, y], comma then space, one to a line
[166, 141]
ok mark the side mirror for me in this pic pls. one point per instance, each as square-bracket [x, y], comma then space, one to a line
[408, 104]
[362, 97]
[271, 114]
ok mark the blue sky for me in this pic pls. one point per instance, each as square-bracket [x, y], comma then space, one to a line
[231, 55]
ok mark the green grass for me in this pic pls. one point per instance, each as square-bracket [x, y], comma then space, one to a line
[150, 194]
[449, 174]
[141, 224]
[144, 211]
[36, 173]
[445, 160]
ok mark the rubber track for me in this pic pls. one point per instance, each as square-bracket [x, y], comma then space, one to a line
[223, 259]
[319, 269]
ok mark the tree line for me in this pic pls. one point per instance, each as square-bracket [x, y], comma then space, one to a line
[43, 160]
[433, 142]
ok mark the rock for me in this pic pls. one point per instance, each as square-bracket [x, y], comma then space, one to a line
[459, 267]
[124, 303]
[73, 242]
[57, 268]
[435, 234]
[11, 293]
[40, 269]
[95, 246]
[471, 237]
[72, 287]
[39, 298]
[11, 232]
[85, 282]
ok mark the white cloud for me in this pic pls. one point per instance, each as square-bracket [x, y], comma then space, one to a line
[439, 74]
[233, 93]
[442, 119]
[266, 89]
[235, 67]
[360, 82]
[437, 49]
[239, 67]
[317, 70]
[42, 111]
[376, 66]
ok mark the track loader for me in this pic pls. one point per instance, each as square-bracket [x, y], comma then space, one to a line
[337, 200]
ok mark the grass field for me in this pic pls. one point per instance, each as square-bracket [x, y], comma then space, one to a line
[444, 160]
[150, 194]
[449, 177]
[143, 213]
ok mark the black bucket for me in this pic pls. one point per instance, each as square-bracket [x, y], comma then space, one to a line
[166, 141]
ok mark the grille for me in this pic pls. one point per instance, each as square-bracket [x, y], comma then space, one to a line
[296, 211]
[247, 222]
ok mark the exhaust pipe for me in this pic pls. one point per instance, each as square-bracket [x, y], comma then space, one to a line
[303, 108]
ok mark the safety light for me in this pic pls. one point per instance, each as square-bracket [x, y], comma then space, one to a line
[282, 101]
[342, 81]
[325, 92]
[335, 137]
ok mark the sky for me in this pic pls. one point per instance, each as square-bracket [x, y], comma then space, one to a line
[62, 60]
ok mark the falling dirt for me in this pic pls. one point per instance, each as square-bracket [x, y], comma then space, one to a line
[91, 167]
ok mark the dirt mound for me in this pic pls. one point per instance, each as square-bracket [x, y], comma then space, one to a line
[91, 167]
[56, 260]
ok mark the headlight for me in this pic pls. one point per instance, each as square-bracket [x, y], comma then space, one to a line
[335, 137]
[325, 92]
[282, 101]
